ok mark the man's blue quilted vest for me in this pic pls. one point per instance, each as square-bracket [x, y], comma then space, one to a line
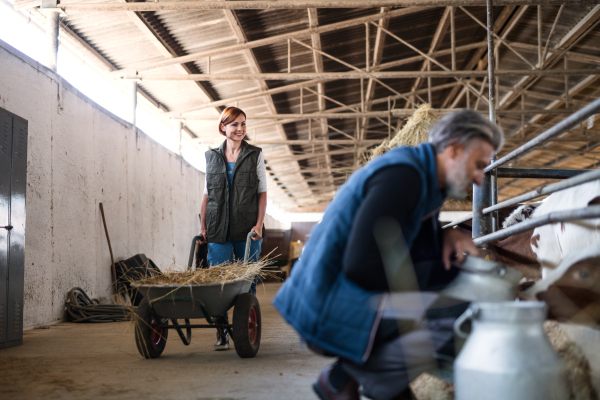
[317, 300]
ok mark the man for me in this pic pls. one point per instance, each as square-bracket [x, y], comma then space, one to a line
[329, 296]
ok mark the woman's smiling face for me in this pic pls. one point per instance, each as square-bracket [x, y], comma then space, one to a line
[237, 129]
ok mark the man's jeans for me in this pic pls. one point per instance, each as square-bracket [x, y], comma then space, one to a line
[219, 253]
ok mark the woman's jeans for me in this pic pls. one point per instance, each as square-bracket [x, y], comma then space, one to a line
[219, 253]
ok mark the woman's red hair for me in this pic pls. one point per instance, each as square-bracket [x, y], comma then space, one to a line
[229, 115]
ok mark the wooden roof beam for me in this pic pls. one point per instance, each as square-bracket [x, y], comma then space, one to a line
[278, 76]
[280, 4]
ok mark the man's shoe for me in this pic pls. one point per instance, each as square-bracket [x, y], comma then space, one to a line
[323, 388]
[222, 340]
[407, 394]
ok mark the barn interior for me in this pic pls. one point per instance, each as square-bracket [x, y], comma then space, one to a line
[113, 104]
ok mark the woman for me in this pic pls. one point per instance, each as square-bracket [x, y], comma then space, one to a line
[235, 199]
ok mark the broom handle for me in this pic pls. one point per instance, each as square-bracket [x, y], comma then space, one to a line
[112, 260]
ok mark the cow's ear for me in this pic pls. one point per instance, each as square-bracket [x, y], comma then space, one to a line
[594, 201]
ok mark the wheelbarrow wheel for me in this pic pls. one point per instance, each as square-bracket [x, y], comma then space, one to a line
[246, 325]
[149, 339]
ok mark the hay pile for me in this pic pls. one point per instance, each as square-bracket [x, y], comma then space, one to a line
[576, 364]
[220, 274]
[428, 387]
[412, 133]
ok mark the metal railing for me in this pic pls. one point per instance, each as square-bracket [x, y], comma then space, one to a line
[550, 218]
[578, 178]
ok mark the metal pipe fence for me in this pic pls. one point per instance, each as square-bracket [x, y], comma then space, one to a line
[569, 183]
[550, 218]
[575, 177]
[567, 123]
[485, 220]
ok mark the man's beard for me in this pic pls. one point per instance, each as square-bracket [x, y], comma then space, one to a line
[457, 183]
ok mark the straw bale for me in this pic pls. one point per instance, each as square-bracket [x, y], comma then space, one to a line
[412, 133]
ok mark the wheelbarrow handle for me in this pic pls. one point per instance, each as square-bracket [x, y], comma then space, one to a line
[193, 250]
[248, 241]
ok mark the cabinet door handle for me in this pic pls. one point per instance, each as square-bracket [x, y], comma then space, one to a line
[7, 227]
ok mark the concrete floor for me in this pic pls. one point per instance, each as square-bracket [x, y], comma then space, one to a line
[100, 361]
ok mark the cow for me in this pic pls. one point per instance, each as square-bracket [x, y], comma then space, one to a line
[551, 243]
[572, 289]
[537, 251]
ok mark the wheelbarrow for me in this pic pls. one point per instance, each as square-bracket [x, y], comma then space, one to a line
[169, 303]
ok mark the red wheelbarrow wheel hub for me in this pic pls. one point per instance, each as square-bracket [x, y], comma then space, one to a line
[252, 325]
[155, 333]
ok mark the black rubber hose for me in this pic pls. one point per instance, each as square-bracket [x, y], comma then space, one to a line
[82, 308]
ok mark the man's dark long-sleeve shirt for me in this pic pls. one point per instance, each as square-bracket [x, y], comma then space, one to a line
[392, 192]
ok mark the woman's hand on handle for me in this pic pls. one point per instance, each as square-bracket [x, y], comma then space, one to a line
[203, 234]
[262, 210]
[203, 218]
[258, 230]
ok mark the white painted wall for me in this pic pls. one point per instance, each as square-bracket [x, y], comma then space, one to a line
[77, 158]
[272, 223]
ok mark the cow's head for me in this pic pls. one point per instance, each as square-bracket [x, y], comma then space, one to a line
[575, 296]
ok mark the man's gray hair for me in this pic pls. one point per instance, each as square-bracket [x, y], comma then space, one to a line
[462, 126]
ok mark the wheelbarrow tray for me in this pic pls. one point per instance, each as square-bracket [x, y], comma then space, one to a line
[186, 302]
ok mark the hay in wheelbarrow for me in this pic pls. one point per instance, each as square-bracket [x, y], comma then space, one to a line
[223, 273]
[412, 133]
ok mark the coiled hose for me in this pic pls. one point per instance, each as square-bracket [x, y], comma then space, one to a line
[83, 309]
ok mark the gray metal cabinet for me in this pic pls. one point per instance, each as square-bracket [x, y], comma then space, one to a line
[13, 173]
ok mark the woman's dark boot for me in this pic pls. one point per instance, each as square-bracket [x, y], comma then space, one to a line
[222, 339]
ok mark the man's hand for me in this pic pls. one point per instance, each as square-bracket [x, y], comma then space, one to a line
[456, 242]
[203, 234]
[258, 230]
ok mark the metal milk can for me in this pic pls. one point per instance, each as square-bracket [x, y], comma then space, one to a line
[507, 356]
[481, 280]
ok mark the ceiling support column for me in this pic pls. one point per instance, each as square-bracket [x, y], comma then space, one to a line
[132, 92]
[52, 40]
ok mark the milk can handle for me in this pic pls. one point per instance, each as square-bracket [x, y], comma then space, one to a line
[466, 316]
